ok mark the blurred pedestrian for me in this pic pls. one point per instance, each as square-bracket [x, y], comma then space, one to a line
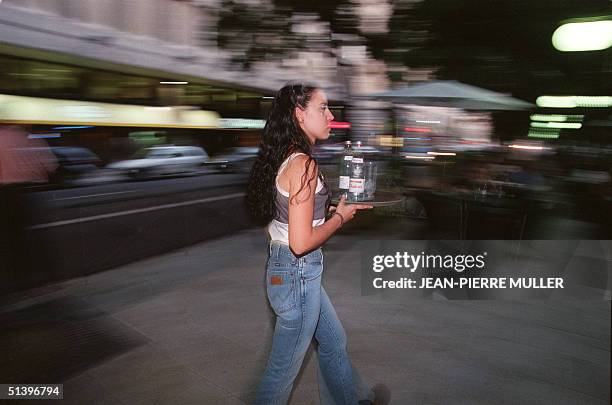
[23, 162]
[287, 192]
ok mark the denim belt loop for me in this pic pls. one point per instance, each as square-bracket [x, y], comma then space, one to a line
[274, 250]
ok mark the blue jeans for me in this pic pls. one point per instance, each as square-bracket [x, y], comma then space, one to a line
[303, 311]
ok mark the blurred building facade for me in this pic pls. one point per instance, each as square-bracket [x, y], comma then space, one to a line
[131, 44]
[161, 38]
[172, 21]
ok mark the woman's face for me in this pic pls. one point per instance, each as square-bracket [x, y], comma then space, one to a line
[315, 119]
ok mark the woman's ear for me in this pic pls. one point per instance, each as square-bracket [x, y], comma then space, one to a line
[299, 114]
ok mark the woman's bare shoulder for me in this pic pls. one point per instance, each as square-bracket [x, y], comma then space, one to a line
[299, 164]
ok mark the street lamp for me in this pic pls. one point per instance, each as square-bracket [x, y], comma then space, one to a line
[583, 36]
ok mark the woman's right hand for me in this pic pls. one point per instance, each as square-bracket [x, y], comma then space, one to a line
[347, 211]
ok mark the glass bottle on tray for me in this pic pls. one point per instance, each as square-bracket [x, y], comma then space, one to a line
[345, 169]
[357, 175]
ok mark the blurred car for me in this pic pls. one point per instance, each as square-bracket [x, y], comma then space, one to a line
[237, 159]
[74, 164]
[327, 152]
[162, 161]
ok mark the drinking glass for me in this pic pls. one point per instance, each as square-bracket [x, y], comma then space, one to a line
[370, 180]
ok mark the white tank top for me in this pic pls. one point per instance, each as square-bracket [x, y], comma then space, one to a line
[278, 229]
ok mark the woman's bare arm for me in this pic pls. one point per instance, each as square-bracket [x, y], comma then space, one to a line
[303, 237]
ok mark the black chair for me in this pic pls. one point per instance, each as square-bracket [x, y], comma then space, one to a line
[495, 219]
[445, 213]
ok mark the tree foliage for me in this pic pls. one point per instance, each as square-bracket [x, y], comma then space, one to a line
[499, 44]
[265, 30]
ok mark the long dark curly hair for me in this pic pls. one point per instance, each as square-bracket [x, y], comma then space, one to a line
[281, 136]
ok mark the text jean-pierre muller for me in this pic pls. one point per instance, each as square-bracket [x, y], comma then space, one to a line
[475, 282]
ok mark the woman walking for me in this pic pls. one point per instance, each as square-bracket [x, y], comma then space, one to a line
[287, 192]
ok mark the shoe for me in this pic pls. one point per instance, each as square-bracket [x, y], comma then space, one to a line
[382, 394]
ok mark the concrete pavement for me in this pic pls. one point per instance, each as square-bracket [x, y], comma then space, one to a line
[193, 327]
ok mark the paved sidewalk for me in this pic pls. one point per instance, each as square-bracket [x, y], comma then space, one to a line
[193, 327]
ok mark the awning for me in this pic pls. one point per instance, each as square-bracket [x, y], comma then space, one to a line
[44, 111]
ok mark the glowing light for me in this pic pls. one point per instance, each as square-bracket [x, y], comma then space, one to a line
[415, 129]
[173, 82]
[556, 118]
[419, 157]
[241, 123]
[550, 134]
[427, 122]
[43, 111]
[339, 125]
[74, 127]
[442, 153]
[388, 140]
[583, 36]
[561, 125]
[574, 101]
[44, 136]
[526, 147]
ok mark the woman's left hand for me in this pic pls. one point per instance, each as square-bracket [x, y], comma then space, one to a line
[347, 211]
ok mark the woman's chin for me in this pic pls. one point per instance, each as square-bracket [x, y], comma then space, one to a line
[322, 136]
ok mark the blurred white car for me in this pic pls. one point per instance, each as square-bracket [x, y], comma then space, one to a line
[162, 161]
[237, 159]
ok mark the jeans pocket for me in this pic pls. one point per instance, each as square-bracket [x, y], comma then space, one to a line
[315, 258]
[312, 271]
[282, 290]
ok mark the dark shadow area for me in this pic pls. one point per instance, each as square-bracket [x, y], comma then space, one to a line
[57, 339]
